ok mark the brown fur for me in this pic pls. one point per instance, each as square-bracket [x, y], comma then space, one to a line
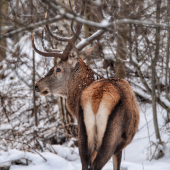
[100, 90]
[78, 84]
[115, 161]
[123, 127]
[93, 156]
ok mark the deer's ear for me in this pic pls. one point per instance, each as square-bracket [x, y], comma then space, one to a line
[86, 53]
[73, 57]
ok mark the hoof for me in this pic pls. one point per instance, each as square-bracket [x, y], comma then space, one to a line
[90, 168]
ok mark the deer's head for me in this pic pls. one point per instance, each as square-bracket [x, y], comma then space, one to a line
[59, 78]
[71, 65]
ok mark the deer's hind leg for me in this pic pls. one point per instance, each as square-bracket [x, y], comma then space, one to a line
[117, 160]
[111, 141]
[86, 135]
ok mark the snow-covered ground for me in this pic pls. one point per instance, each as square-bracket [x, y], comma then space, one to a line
[135, 156]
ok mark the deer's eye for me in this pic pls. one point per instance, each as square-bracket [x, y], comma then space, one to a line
[58, 70]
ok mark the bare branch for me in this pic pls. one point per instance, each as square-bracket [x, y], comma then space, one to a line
[90, 39]
[31, 26]
[25, 144]
[105, 24]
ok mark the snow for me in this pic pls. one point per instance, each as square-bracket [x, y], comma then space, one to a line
[66, 153]
[104, 23]
[53, 161]
[5, 127]
[165, 101]
[97, 2]
[134, 157]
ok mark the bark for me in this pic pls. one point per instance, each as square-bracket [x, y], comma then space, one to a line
[119, 65]
[167, 69]
[3, 22]
[154, 63]
[121, 52]
[33, 79]
[34, 96]
[87, 27]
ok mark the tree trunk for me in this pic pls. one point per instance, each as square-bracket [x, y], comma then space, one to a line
[154, 62]
[167, 70]
[3, 22]
[33, 77]
[120, 52]
[34, 96]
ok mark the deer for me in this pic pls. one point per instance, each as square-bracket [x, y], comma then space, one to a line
[106, 109]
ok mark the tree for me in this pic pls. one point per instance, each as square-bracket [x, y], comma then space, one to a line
[3, 23]
[154, 63]
[134, 42]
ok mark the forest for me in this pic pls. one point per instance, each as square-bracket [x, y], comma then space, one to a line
[131, 40]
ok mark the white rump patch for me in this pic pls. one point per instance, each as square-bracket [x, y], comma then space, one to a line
[89, 120]
[95, 124]
[101, 122]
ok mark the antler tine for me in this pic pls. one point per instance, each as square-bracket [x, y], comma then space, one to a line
[72, 27]
[66, 39]
[43, 43]
[71, 41]
[48, 54]
[70, 5]
[54, 36]
[72, 22]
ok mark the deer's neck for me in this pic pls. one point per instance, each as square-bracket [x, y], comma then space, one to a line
[82, 78]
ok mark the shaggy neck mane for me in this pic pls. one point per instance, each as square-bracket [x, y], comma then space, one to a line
[83, 77]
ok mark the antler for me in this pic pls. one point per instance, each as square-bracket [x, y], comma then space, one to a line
[43, 44]
[71, 41]
[66, 39]
[52, 35]
[48, 54]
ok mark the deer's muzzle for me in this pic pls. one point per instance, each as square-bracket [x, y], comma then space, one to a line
[42, 90]
[36, 88]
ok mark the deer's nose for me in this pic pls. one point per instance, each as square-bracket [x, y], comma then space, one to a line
[36, 88]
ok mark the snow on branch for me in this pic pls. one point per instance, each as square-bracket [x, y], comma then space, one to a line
[104, 24]
[88, 40]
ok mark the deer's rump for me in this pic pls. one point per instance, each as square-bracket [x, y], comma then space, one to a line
[110, 115]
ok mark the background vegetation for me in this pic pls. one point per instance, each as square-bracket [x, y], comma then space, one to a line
[137, 49]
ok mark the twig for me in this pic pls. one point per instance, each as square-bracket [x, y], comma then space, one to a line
[148, 130]
[31, 26]
[25, 144]
[154, 151]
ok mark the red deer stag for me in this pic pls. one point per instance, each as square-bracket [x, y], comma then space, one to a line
[106, 109]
